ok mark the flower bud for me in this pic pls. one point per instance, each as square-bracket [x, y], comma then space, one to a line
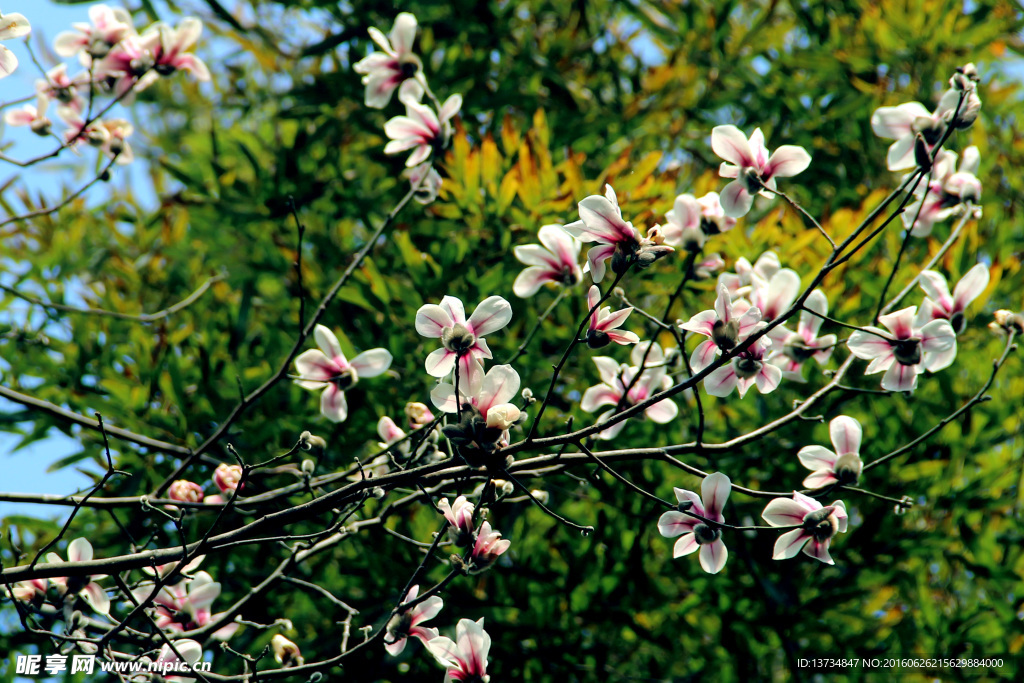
[418, 414]
[922, 156]
[226, 477]
[502, 416]
[308, 442]
[286, 652]
[542, 496]
[41, 126]
[185, 491]
[377, 492]
[527, 395]
[308, 467]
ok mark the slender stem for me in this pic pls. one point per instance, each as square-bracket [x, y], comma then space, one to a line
[536, 326]
[67, 200]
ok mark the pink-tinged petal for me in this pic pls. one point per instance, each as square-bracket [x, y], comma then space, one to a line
[736, 201]
[934, 285]
[613, 431]
[731, 144]
[846, 434]
[785, 512]
[938, 335]
[810, 323]
[685, 496]
[686, 544]
[450, 108]
[768, 379]
[69, 43]
[456, 311]
[440, 362]
[608, 369]
[328, 343]
[672, 524]
[900, 377]
[723, 304]
[596, 258]
[14, 25]
[895, 122]
[614, 320]
[560, 243]
[939, 360]
[704, 355]
[445, 651]
[491, 314]
[827, 344]
[789, 544]
[388, 431]
[901, 154]
[481, 350]
[424, 633]
[535, 255]
[819, 479]
[743, 385]
[970, 286]
[640, 355]
[727, 170]
[428, 609]
[500, 385]
[593, 300]
[702, 323]
[867, 343]
[443, 398]
[529, 281]
[721, 382]
[94, 594]
[372, 363]
[403, 33]
[203, 596]
[597, 396]
[604, 220]
[782, 290]
[750, 322]
[396, 648]
[79, 550]
[817, 458]
[713, 556]
[880, 364]
[623, 338]
[714, 492]
[431, 320]
[418, 157]
[818, 550]
[787, 161]
[315, 368]
[471, 373]
[333, 405]
[662, 412]
[758, 148]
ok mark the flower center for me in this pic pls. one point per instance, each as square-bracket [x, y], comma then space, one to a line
[822, 523]
[796, 349]
[458, 339]
[725, 334]
[567, 276]
[848, 468]
[346, 379]
[929, 128]
[597, 339]
[958, 321]
[705, 533]
[98, 47]
[752, 179]
[408, 66]
[746, 368]
[907, 351]
[141, 65]
[625, 253]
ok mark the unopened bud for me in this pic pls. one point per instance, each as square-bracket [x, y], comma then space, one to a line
[308, 467]
[527, 395]
[418, 414]
[922, 156]
[41, 126]
[377, 492]
[540, 495]
[185, 491]
[286, 652]
[308, 442]
[502, 416]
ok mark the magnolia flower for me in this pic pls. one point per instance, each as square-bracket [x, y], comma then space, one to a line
[556, 261]
[185, 491]
[460, 519]
[32, 116]
[116, 144]
[162, 570]
[466, 656]
[754, 171]
[601, 222]
[481, 395]
[486, 549]
[746, 369]
[421, 130]
[603, 323]
[226, 477]
[109, 26]
[947, 194]
[407, 623]
[818, 525]
[396, 66]
[328, 369]
[65, 90]
[80, 550]
[617, 379]
[692, 220]
[12, 25]
[941, 305]
[903, 123]
[418, 414]
[286, 653]
[129, 65]
[908, 349]
[191, 652]
[186, 605]
[790, 350]
[426, 180]
[391, 433]
[705, 268]
[840, 466]
[739, 283]
[461, 339]
[26, 591]
[168, 46]
[723, 328]
[696, 533]
[773, 296]
[94, 134]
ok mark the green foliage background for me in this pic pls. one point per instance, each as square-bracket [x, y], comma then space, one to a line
[560, 97]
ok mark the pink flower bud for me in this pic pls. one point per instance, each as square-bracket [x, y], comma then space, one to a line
[185, 491]
[226, 477]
